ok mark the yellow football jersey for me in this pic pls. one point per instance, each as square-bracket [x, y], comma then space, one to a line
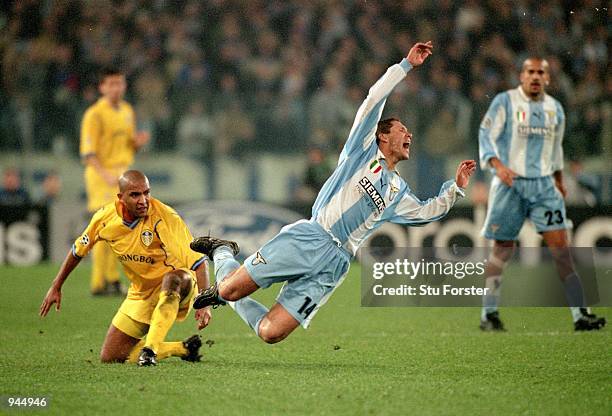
[147, 248]
[108, 133]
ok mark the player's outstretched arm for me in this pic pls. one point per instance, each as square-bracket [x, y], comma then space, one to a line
[464, 171]
[54, 294]
[364, 125]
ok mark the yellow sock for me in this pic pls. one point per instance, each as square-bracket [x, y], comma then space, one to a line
[171, 349]
[166, 349]
[163, 317]
[133, 357]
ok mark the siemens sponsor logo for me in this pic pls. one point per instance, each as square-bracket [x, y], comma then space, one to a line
[525, 130]
[369, 189]
[137, 258]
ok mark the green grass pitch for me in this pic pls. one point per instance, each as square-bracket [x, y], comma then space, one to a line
[352, 361]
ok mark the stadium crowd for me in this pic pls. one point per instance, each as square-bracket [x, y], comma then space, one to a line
[226, 77]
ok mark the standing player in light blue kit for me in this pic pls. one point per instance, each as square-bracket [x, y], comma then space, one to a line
[520, 140]
[313, 256]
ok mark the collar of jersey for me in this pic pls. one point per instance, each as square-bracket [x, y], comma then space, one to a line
[120, 211]
[132, 224]
[380, 156]
[526, 98]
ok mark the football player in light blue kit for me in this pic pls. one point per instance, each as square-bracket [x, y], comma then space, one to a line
[312, 256]
[520, 141]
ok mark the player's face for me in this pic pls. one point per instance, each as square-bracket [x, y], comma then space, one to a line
[136, 198]
[113, 88]
[534, 77]
[399, 139]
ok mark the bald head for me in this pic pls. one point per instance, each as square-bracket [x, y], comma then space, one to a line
[534, 60]
[130, 177]
[134, 193]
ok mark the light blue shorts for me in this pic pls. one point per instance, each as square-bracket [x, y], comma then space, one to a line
[535, 198]
[306, 258]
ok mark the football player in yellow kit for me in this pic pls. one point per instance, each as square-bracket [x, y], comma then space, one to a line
[108, 142]
[152, 242]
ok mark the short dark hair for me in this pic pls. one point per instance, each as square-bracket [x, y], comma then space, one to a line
[108, 71]
[384, 127]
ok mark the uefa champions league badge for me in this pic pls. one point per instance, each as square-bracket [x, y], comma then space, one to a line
[146, 237]
[84, 240]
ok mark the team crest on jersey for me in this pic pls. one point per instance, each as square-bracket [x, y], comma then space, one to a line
[258, 259]
[494, 227]
[551, 117]
[521, 115]
[84, 240]
[393, 192]
[146, 237]
[375, 166]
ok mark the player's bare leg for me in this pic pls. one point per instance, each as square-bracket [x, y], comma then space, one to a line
[117, 346]
[558, 243]
[237, 285]
[502, 252]
[276, 325]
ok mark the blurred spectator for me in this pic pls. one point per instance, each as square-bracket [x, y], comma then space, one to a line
[317, 172]
[582, 188]
[294, 68]
[235, 131]
[12, 192]
[50, 188]
[196, 132]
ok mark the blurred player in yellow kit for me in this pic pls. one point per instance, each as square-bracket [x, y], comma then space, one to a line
[152, 242]
[108, 143]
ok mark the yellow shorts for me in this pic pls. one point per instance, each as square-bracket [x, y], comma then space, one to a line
[134, 316]
[98, 191]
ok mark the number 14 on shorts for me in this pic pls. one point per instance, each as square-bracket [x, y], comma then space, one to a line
[306, 308]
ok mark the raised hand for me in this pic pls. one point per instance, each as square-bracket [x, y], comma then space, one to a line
[464, 171]
[419, 53]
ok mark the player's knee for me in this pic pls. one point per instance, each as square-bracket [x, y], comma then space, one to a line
[270, 333]
[174, 280]
[108, 357]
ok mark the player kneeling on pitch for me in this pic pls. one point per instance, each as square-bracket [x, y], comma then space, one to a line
[313, 256]
[151, 241]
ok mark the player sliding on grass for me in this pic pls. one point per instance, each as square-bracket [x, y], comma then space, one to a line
[150, 240]
[313, 256]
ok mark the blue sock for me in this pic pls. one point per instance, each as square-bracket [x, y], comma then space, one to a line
[251, 311]
[225, 263]
[574, 295]
[490, 300]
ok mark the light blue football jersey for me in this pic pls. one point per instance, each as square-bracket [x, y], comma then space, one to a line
[363, 193]
[525, 135]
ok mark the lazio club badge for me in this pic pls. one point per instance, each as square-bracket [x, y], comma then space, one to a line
[146, 237]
